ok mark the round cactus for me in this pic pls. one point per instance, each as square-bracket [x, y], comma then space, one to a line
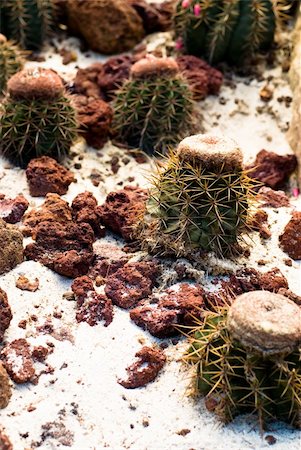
[28, 22]
[226, 30]
[37, 118]
[154, 108]
[247, 358]
[199, 200]
[11, 61]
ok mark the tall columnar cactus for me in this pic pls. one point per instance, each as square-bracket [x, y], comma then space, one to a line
[11, 61]
[226, 30]
[200, 199]
[28, 22]
[247, 358]
[154, 108]
[36, 117]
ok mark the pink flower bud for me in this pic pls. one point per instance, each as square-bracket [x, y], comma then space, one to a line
[197, 10]
[186, 3]
[295, 192]
[179, 44]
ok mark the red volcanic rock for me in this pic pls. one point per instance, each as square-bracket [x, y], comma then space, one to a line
[65, 248]
[95, 118]
[84, 211]
[260, 223]
[121, 210]
[17, 360]
[131, 283]
[247, 280]
[5, 313]
[5, 443]
[86, 81]
[290, 240]
[45, 175]
[155, 16]
[12, 209]
[91, 306]
[272, 169]
[150, 361]
[113, 73]
[271, 198]
[25, 284]
[174, 308]
[108, 259]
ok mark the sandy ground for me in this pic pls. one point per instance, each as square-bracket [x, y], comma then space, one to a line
[88, 409]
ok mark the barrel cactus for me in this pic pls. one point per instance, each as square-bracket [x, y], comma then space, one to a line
[11, 61]
[247, 358]
[36, 117]
[28, 22]
[200, 199]
[226, 30]
[154, 108]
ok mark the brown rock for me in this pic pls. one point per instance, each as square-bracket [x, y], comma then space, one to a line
[272, 169]
[18, 362]
[113, 73]
[40, 353]
[86, 81]
[35, 83]
[108, 259]
[45, 175]
[91, 306]
[11, 247]
[155, 16]
[24, 284]
[150, 361]
[5, 443]
[12, 209]
[260, 223]
[95, 118]
[131, 283]
[5, 389]
[290, 239]
[270, 198]
[84, 211]
[108, 26]
[5, 313]
[122, 209]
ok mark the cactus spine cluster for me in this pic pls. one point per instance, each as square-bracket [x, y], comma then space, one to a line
[200, 199]
[247, 359]
[226, 30]
[154, 108]
[28, 22]
[36, 117]
[11, 61]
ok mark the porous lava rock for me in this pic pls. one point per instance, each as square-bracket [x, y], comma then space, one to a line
[155, 16]
[5, 313]
[11, 247]
[131, 283]
[290, 239]
[108, 259]
[12, 209]
[91, 306]
[113, 73]
[25, 284]
[83, 210]
[108, 26]
[150, 361]
[5, 388]
[65, 248]
[86, 81]
[45, 175]
[17, 360]
[272, 169]
[5, 443]
[260, 223]
[95, 118]
[270, 198]
[122, 209]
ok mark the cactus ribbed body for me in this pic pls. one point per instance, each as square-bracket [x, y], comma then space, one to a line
[11, 61]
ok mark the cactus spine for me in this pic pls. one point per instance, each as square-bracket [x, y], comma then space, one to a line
[238, 373]
[28, 22]
[11, 61]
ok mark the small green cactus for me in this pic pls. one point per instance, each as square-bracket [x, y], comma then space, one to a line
[154, 108]
[36, 117]
[247, 359]
[226, 30]
[199, 200]
[11, 61]
[28, 22]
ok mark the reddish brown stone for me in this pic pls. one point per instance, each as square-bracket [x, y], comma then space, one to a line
[45, 175]
[25, 284]
[150, 361]
[5, 313]
[290, 240]
[12, 209]
[84, 211]
[113, 73]
[40, 353]
[11, 247]
[260, 223]
[86, 81]
[155, 16]
[131, 283]
[108, 259]
[65, 248]
[17, 360]
[274, 199]
[122, 209]
[5, 443]
[95, 118]
[91, 306]
[272, 169]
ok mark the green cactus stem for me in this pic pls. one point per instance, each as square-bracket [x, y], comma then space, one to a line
[11, 61]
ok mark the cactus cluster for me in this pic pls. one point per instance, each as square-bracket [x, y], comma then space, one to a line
[27, 22]
[226, 30]
[200, 200]
[154, 108]
[11, 61]
[247, 359]
[36, 117]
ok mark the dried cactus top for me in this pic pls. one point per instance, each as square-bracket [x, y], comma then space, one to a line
[267, 322]
[35, 83]
[212, 152]
[152, 66]
[2, 39]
